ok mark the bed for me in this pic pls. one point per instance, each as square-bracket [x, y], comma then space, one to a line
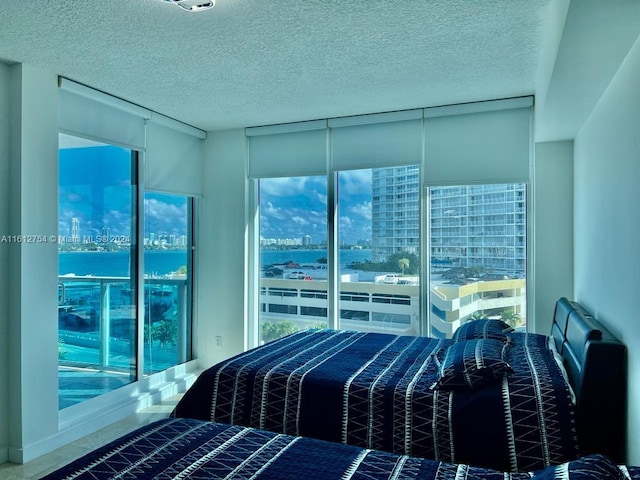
[194, 449]
[387, 392]
[596, 366]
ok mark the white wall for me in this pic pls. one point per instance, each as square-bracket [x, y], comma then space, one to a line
[607, 221]
[222, 282]
[33, 268]
[30, 423]
[553, 232]
[4, 259]
[221, 276]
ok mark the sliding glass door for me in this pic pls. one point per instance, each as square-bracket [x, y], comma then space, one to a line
[97, 254]
[168, 264]
[99, 310]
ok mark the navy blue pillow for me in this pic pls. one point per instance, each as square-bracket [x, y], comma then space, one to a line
[592, 467]
[482, 328]
[470, 365]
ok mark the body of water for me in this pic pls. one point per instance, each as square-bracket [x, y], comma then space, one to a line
[118, 264]
[301, 257]
[162, 262]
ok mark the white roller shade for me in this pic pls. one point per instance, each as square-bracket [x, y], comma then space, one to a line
[487, 142]
[379, 140]
[297, 149]
[174, 157]
[173, 149]
[95, 115]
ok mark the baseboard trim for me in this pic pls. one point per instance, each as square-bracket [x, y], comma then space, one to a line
[94, 414]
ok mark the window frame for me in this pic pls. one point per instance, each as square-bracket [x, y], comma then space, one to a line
[190, 280]
[137, 366]
[486, 157]
[333, 292]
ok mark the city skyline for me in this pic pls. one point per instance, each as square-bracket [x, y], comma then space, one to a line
[152, 239]
[297, 206]
[95, 189]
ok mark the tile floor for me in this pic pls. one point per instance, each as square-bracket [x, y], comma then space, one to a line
[51, 461]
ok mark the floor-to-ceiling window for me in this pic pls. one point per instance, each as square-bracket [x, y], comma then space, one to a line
[293, 255]
[426, 216]
[478, 255]
[377, 228]
[97, 287]
[99, 310]
[379, 249]
[168, 249]
[128, 183]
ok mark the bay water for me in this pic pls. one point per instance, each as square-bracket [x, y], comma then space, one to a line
[162, 262]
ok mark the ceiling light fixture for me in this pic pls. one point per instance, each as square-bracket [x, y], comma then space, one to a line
[193, 5]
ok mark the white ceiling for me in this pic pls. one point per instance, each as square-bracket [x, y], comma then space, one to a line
[255, 62]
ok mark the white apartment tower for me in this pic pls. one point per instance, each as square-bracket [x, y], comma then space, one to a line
[471, 225]
[395, 214]
[75, 230]
[479, 225]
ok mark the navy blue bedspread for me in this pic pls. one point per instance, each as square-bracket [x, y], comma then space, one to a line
[193, 449]
[374, 391]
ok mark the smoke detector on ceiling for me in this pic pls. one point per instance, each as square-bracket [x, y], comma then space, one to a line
[193, 5]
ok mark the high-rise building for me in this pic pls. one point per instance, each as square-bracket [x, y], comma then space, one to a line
[75, 230]
[395, 212]
[479, 225]
[471, 225]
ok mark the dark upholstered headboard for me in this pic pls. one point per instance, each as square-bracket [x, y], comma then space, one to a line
[596, 365]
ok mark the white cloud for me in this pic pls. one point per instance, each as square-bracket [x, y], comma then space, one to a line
[362, 209]
[283, 187]
[292, 207]
[161, 218]
[355, 182]
[269, 210]
[345, 222]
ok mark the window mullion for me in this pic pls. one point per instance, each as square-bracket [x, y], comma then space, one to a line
[425, 261]
[333, 278]
[254, 301]
[138, 235]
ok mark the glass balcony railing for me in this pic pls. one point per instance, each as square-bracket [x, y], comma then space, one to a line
[96, 330]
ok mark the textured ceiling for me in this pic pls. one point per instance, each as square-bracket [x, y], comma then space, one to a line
[256, 62]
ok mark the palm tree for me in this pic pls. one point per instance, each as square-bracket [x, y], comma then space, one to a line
[403, 263]
[510, 317]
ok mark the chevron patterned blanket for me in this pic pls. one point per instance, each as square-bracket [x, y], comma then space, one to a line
[193, 449]
[377, 391]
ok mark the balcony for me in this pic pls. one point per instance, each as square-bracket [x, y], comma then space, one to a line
[97, 332]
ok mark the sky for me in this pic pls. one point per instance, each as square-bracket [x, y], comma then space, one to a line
[95, 187]
[296, 207]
